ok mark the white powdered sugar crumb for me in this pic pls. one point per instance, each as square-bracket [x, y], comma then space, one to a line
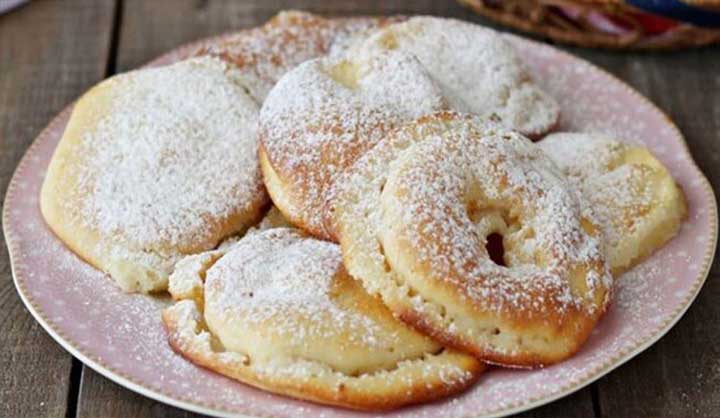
[581, 155]
[174, 154]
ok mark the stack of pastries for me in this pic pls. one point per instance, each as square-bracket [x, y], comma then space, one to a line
[353, 211]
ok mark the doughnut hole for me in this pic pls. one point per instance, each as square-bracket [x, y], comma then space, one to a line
[503, 233]
[495, 248]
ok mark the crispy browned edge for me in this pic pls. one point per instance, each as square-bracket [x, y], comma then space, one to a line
[419, 392]
[520, 361]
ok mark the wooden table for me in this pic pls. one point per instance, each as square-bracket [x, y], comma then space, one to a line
[51, 51]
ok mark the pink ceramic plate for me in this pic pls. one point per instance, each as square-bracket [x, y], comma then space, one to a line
[121, 336]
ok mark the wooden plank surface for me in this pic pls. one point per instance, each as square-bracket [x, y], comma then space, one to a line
[99, 397]
[49, 53]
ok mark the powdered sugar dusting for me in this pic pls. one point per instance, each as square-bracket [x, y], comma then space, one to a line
[436, 187]
[631, 197]
[195, 138]
[121, 335]
[584, 158]
[327, 112]
[478, 71]
[282, 281]
[626, 193]
[263, 55]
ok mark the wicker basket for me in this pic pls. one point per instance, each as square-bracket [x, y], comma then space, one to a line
[546, 18]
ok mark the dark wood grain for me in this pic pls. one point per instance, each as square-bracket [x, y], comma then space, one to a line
[680, 375]
[49, 53]
[100, 397]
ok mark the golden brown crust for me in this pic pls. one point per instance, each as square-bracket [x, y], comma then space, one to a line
[404, 236]
[529, 360]
[141, 258]
[286, 199]
[280, 192]
[384, 391]
[350, 353]
[629, 193]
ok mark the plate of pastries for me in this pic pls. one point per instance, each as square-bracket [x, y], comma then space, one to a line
[404, 216]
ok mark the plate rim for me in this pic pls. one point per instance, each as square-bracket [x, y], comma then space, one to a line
[147, 390]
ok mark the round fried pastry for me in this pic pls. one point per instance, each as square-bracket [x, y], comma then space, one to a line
[627, 192]
[324, 114]
[414, 219]
[278, 311]
[155, 164]
[478, 71]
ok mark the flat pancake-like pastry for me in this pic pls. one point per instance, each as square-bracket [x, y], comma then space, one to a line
[478, 71]
[155, 164]
[264, 54]
[278, 311]
[627, 192]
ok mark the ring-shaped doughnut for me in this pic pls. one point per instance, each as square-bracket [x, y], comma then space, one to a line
[416, 215]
